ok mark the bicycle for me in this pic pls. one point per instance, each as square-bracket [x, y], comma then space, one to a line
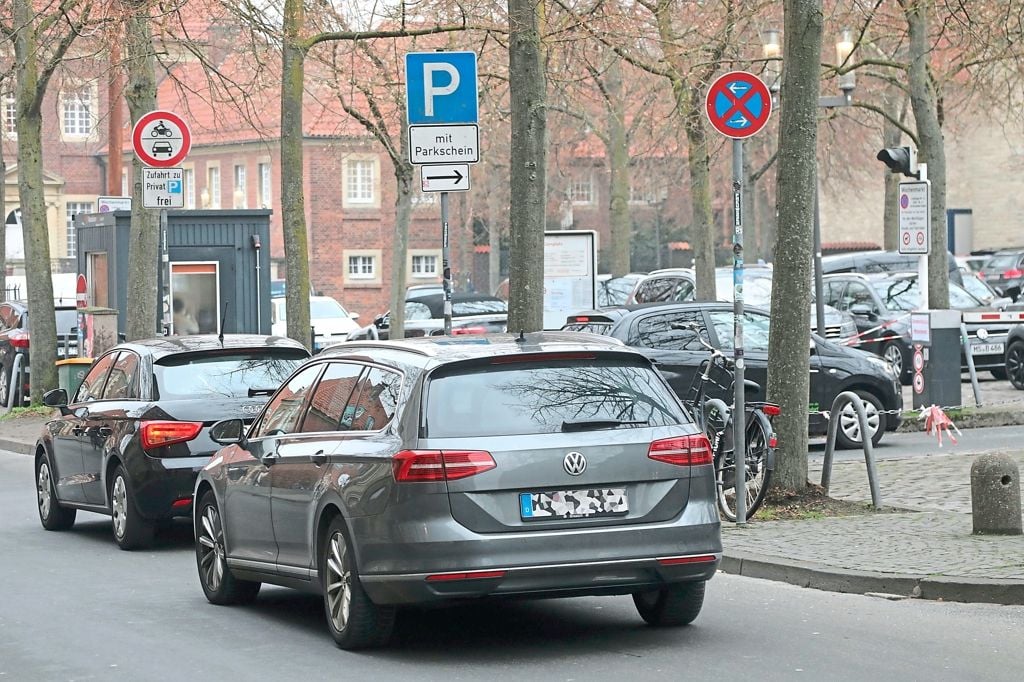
[714, 416]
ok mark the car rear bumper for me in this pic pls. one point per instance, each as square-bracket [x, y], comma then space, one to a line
[556, 580]
[164, 484]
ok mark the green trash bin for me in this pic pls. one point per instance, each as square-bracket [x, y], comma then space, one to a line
[71, 373]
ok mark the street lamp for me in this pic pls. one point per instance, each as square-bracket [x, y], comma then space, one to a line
[772, 49]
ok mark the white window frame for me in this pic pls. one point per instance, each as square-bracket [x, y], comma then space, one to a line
[418, 261]
[71, 209]
[361, 261]
[189, 178]
[582, 191]
[241, 201]
[213, 184]
[9, 123]
[360, 181]
[80, 111]
[266, 174]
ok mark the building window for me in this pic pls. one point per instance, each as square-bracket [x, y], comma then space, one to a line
[10, 114]
[189, 176]
[266, 196]
[73, 208]
[78, 112]
[362, 267]
[581, 190]
[424, 266]
[213, 185]
[241, 199]
[359, 181]
[124, 183]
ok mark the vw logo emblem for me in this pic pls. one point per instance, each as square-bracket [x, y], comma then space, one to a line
[982, 333]
[251, 409]
[574, 463]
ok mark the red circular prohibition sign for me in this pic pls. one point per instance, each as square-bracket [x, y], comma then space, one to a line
[738, 104]
[169, 136]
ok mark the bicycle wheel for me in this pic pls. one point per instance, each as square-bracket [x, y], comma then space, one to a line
[757, 478]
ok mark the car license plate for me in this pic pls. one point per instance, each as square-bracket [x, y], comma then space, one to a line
[573, 504]
[986, 349]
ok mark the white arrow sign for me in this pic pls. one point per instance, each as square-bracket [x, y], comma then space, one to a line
[445, 178]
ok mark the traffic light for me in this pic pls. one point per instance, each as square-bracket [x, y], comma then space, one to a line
[900, 160]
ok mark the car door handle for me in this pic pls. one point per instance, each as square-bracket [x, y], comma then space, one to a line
[269, 459]
[77, 430]
[318, 458]
[104, 431]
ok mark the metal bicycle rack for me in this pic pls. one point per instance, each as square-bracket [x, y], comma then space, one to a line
[842, 400]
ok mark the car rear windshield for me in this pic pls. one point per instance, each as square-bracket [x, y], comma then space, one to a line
[593, 327]
[233, 374]
[1001, 261]
[511, 398]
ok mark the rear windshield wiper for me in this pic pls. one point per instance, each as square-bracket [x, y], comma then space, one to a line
[261, 391]
[584, 424]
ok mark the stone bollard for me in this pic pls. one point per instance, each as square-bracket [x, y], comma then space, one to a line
[995, 495]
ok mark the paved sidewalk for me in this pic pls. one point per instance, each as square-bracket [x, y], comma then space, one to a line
[928, 552]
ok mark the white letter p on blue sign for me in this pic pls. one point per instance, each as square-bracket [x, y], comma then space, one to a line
[431, 90]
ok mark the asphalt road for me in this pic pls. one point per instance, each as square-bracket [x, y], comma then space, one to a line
[74, 607]
[919, 444]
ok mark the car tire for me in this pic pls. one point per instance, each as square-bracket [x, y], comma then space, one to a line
[1015, 364]
[354, 621]
[999, 374]
[131, 531]
[671, 606]
[846, 438]
[897, 356]
[5, 386]
[218, 582]
[52, 515]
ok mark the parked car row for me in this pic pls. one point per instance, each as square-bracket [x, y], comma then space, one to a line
[15, 373]
[386, 474]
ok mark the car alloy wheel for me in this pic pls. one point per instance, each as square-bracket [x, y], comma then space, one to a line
[894, 354]
[52, 515]
[119, 506]
[131, 530]
[5, 383]
[43, 491]
[339, 581]
[211, 549]
[1015, 364]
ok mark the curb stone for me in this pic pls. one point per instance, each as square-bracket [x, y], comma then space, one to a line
[941, 588]
[17, 446]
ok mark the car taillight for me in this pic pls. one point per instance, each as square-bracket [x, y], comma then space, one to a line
[421, 466]
[580, 318]
[771, 410]
[18, 338]
[1013, 274]
[465, 575]
[684, 451]
[460, 331]
[158, 434]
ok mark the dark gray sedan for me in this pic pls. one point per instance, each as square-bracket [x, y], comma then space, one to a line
[434, 470]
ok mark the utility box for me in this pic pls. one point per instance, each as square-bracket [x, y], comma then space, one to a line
[97, 331]
[935, 335]
[219, 269]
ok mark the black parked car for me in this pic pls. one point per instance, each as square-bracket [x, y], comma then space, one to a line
[678, 354]
[869, 262]
[14, 345]
[471, 314]
[1004, 272]
[135, 434]
[1015, 357]
[881, 305]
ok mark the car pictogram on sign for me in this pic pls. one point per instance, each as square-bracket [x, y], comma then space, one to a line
[162, 147]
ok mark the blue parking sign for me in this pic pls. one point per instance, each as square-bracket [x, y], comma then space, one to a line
[440, 87]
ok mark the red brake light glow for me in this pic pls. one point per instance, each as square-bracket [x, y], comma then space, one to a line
[771, 410]
[182, 502]
[692, 450]
[465, 575]
[158, 434]
[581, 318]
[677, 560]
[462, 331]
[1013, 274]
[423, 466]
[18, 338]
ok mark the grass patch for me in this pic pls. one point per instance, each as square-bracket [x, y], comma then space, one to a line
[810, 504]
[31, 411]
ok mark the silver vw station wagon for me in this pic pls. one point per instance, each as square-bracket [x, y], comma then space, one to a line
[384, 474]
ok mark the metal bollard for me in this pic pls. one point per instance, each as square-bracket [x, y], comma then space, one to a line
[995, 495]
[841, 401]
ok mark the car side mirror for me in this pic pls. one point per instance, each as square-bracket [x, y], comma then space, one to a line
[228, 432]
[862, 310]
[353, 316]
[57, 397]
[381, 321]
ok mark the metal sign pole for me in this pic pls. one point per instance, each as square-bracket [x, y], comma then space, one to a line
[446, 266]
[739, 428]
[165, 269]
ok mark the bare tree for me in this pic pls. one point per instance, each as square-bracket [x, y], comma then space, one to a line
[528, 91]
[42, 37]
[788, 360]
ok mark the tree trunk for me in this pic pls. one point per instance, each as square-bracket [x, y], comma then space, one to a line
[405, 176]
[788, 360]
[891, 136]
[39, 281]
[3, 217]
[527, 85]
[702, 227]
[144, 234]
[293, 202]
[924, 102]
[621, 225]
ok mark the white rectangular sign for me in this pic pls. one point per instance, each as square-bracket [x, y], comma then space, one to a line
[108, 204]
[921, 328]
[444, 144]
[915, 204]
[449, 178]
[570, 275]
[162, 188]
